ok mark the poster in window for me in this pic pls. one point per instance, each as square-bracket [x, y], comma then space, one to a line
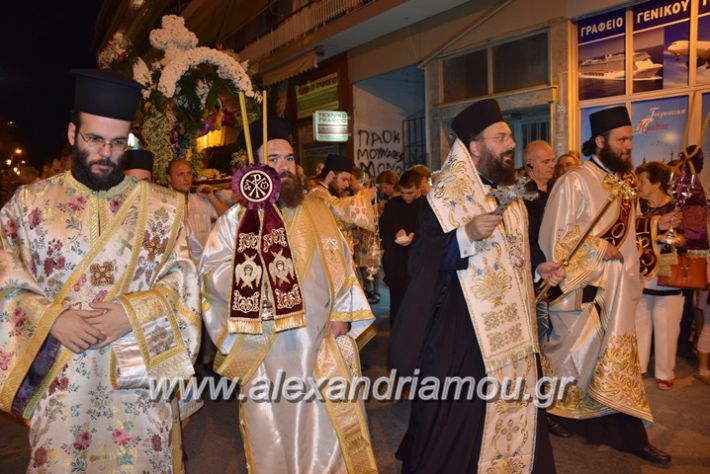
[601, 54]
[585, 127]
[661, 28]
[703, 45]
[658, 126]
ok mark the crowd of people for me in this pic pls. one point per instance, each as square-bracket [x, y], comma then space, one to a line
[109, 281]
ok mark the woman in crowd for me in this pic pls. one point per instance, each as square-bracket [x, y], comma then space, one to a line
[660, 308]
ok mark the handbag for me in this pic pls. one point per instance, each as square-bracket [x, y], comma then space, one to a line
[683, 271]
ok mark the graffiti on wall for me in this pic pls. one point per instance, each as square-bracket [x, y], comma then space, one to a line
[377, 150]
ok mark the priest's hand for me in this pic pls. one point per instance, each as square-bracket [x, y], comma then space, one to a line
[482, 226]
[612, 253]
[73, 331]
[112, 321]
[553, 273]
[337, 328]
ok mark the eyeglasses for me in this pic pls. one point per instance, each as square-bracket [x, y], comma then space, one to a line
[500, 138]
[98, 142]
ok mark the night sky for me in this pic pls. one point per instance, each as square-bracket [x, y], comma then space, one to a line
[41, 41]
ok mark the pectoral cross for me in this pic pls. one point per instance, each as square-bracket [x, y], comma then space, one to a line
[102, 274]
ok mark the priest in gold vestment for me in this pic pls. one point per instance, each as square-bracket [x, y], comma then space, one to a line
[318, 338]
[593, 335]
[350, 212]
[97, 296]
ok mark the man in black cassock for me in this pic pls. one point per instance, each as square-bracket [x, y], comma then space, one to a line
[471, 283]
[398, 225]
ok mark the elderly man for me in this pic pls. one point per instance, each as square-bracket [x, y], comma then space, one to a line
[593, 337]
[539, 161]
[468, 312]
[98, 295]
[286, 302]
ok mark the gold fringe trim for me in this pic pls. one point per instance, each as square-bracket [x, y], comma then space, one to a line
[348, 316]
[290, 321]
[244, 325]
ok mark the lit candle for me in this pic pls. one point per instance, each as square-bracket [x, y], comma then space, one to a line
[265, 141]
[245, 124]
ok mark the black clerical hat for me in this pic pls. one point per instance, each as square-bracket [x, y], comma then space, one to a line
[106, 93]
[475, 118]
[603, 121]
[337, 163]
[137, 159]
[609, 119]
[276, 127]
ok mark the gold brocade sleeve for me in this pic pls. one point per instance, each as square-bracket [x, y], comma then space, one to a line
[566, 218]
[166, 324]
[354, 210]
[26, 313]
[350, 303]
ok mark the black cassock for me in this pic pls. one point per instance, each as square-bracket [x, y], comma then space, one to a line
[433, 332]
[397, 215]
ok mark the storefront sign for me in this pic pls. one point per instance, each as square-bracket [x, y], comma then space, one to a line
[321, 94]
[330, 126]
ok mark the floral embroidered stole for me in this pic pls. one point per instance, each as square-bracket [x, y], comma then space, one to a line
[496, 285]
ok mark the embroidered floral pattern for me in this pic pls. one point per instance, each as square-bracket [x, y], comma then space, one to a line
[618, 375]
[491, 284]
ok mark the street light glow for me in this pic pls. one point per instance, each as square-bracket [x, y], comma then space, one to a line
[18, 151]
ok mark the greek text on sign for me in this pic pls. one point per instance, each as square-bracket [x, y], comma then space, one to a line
[650, 14]
[330, 126]
[608, 25]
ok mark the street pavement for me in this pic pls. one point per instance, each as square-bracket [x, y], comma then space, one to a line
[213, 444]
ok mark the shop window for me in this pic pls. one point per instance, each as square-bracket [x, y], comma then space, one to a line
[466, 76]
[521, 63]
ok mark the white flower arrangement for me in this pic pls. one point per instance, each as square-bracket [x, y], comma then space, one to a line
[227, 68]
[173, 38]
[179, 92]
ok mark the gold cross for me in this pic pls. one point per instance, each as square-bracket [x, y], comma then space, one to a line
[102, 274]
[153, 246]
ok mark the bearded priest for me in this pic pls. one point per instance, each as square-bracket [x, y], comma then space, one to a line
[468, 313]
[593, 334]
[98, 295]
[281, 301]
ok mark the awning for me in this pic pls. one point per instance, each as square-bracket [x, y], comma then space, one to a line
[293, 67]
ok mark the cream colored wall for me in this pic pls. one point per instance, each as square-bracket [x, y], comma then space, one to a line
[413, 44]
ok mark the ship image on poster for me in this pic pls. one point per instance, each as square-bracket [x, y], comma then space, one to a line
[602, 55]
[611, 67]
[661, 28]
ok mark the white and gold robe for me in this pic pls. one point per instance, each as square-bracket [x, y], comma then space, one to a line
[284, 436]
[63, 246]
[595, 342]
